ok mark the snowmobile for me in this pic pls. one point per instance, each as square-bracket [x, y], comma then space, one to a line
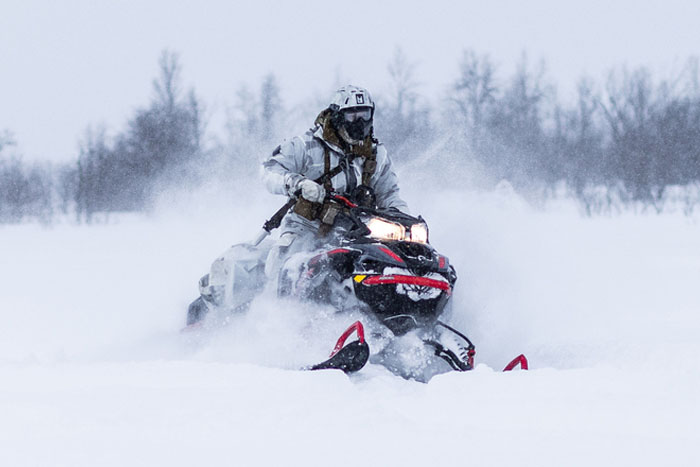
[377, 264]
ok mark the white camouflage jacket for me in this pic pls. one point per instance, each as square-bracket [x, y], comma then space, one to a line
[304, 155]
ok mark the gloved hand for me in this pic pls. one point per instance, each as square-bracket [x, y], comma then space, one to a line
[310, 190]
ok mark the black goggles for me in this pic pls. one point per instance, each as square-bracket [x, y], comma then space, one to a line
[359, 113]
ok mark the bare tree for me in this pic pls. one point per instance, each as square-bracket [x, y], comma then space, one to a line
[66, 187]
[6, 140]
[270, 107]
[402, 119]
[474, 92]
[167, 86]
[519, 148]
[628, 110]
[244, 116]
[402, 82]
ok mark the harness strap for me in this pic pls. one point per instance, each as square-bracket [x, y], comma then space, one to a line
[369, 167]
[327, 183]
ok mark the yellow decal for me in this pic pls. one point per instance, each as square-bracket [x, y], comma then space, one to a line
[360, 277]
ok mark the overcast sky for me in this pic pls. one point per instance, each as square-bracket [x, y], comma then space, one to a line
[67, 64]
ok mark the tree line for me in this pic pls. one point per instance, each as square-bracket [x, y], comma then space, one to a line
[628, 140]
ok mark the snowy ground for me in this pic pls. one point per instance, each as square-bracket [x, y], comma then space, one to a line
[94, 371]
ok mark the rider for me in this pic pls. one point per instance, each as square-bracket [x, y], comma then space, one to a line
[341, 142]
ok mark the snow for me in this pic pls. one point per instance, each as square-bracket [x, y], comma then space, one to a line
[94, 370]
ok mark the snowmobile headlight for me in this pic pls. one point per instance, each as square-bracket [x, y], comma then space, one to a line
[384, 230]
[419, 233]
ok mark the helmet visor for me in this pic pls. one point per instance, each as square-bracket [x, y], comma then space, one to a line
[358, 113]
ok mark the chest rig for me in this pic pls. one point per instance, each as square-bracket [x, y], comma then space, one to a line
[326, 212]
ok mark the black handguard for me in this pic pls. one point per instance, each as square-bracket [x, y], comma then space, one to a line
[273, 222]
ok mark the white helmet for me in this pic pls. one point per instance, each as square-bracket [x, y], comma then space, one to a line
[351, 96]
[353, 110]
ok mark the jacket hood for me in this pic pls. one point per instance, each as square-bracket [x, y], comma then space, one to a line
[324, 130]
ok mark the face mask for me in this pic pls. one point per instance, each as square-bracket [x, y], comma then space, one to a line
[359, 129]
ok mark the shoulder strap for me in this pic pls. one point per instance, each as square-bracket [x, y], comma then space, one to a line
[327, 174]
[369, 167]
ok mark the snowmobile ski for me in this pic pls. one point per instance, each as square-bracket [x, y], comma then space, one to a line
[351, 357]
[458, 356]
[519, 360]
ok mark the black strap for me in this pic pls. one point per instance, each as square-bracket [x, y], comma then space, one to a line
[369, 167]
[326, 177]
[276, 218]
[327, 184]
[350, 177]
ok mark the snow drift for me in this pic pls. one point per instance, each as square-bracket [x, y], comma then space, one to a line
[94, 370]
